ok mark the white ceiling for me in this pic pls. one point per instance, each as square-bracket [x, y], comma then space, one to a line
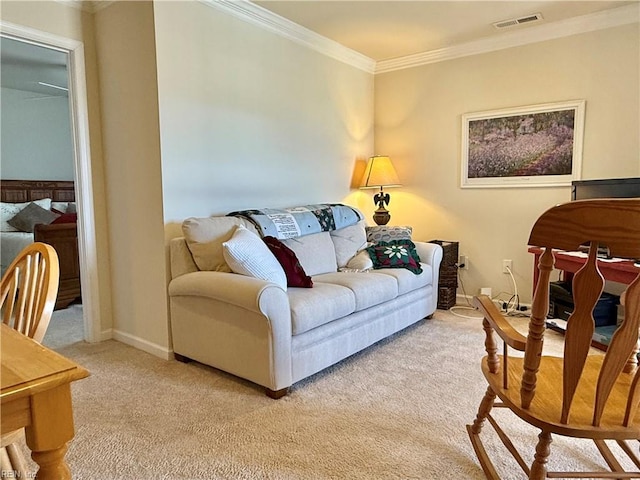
[383, 30]
[24, 65]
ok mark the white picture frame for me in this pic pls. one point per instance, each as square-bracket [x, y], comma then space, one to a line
[530, 146]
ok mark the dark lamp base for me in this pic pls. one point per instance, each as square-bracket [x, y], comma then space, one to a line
[381, 216]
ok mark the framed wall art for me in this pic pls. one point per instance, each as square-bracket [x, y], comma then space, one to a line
[532, 146]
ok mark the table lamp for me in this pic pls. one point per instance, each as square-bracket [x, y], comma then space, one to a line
[379, 172]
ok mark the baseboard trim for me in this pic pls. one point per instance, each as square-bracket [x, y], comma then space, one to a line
[141, 344]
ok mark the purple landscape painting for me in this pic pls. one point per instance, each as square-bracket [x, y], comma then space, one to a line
[522, 145]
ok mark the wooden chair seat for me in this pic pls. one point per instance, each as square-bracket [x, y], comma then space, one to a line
[545, 409]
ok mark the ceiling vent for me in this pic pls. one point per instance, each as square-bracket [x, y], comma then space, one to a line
[534, 17]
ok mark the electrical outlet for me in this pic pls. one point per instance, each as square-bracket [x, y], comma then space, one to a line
[507, 265]
[463, 262]
[485, 291]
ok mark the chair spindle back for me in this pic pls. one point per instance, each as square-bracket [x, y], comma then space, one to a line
[611, 223]
[28, 290]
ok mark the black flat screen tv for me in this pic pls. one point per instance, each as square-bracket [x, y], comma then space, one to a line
[605, 188]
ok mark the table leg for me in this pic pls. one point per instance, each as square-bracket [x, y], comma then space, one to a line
[50, 429]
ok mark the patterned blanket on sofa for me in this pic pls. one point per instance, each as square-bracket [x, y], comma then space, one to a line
[299, 221]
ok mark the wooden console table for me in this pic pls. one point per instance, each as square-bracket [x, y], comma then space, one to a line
[616, 271]
[36, 395]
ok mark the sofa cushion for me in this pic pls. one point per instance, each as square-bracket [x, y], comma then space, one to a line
[408, 281]
[369, 288]
[296, 276]
[204, 237]
[316, 252]
[348, 242]
[322, 304]
[247, 254]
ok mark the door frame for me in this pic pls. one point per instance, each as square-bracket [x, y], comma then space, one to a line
[79, 113]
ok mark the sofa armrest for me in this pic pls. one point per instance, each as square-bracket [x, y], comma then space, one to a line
[236, 323]
[239, 290]
[431, 254]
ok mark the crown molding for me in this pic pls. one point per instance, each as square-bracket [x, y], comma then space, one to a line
[90, 6]
[268, 20]
[586, 23]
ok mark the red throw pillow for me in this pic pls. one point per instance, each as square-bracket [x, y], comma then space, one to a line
[296, 276]
[67, 218]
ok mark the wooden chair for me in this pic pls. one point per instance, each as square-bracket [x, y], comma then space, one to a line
[28, 291]
[578, 395]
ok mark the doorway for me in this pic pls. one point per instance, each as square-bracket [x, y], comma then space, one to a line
[73, 52]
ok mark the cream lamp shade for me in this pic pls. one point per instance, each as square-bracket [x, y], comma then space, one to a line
[379, 172]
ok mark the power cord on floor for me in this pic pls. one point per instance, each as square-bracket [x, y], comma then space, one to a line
[464, 307]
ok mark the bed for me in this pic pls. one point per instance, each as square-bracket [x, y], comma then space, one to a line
[62, 236]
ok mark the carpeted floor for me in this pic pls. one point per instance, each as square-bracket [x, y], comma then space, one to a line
[395, 411]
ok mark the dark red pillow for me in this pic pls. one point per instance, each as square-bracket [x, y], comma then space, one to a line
[296, 276]
[67, 218]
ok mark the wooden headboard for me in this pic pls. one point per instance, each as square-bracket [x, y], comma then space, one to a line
[20, 191]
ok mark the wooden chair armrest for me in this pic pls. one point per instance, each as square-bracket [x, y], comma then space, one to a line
[502, 327]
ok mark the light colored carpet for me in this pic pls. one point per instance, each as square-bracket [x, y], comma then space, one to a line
[395, 411]
[65, 328]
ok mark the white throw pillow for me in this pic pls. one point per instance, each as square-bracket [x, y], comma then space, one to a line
[10, 210]
[247, 254]
[361, 262]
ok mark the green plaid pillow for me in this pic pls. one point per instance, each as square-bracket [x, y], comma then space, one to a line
[395, 254]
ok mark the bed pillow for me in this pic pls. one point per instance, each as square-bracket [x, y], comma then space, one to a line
[247, 254]
[10, 210]
[296, 276]
[59, 207]
[395, 254]
[27, 218]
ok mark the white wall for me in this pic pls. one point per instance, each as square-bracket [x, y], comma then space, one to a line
[250, 119]
[133, 176]
[35, 139]
[418, 123]
[247, 118]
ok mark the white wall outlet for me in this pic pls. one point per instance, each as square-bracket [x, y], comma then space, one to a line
[463, 262]
[485, 291]
[507, 265]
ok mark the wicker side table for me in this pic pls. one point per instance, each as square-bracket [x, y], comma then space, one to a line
[448, 278]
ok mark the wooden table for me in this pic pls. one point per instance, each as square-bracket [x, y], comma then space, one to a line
[622, 272]
[36, 395]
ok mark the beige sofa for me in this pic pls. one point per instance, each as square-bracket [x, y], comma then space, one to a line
[274, 337]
